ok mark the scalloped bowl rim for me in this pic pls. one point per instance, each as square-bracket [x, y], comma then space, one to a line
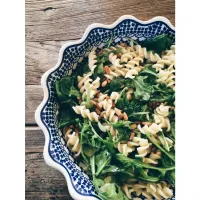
[47, 157]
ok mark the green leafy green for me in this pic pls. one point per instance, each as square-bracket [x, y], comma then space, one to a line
[170, 155]
[143, 89]
[158, 43]
[65, 88]
[98, 71]
[127, 162]
[142, 176]
[108, 190]
[83, 68]
[117, 84]
[171, 177]
[102, 160]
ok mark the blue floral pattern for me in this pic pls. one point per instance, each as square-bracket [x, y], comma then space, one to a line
[72, 55]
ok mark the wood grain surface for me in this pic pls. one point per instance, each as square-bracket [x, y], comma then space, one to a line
[49, 24]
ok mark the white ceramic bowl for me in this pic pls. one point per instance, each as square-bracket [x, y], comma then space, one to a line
[56, 154]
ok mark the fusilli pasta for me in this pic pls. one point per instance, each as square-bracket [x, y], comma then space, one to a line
[85, 113]
[73, 141]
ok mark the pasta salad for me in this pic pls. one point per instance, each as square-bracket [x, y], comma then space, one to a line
[117, 115]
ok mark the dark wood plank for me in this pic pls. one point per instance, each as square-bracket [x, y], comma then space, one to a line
[42, 181]
[66, 20]
[33, 97]
[40, 57]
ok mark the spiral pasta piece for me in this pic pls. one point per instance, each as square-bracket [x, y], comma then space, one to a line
[92, 60]
[128, 56]
[115, 96]
[168, 59]
[149, 55]
[114, 60]
[167, 76]
[82, 81]
[153, 158]
[152, 129]
[108, 127]
[125, 148]
[149, 190]
[161, 116]
[73, 141]
[85, 113]
[109, 112]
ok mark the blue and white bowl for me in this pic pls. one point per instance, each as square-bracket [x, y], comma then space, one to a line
[56, 153]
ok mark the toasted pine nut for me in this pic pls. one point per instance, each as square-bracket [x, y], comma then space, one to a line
[125, 116]
[128, 96]
[146, 123]
[107, 97]
[98, 111]
[122, 44]
[107, 70]
[108, 80]
[104, 83]
[132, 136]
[96, 104]
[118, 112]
[120, 116]
[158, 153]
[133, 126]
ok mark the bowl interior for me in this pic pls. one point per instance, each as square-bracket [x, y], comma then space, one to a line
[71, 58]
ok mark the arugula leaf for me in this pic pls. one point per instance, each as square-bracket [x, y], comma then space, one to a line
[158, 43]
[127, 162]
[66, 115]
[142, 176]
[123, 128]
[117, 84]
[148, 69]
[108, 190]
[89, 142]
[108, 143]
[162, 93]
[83, 69]
[65, 88]
[102, 160]
[170, 175]
[171, 156]
[143, 89]
[98, 71]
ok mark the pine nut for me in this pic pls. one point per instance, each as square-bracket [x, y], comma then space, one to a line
[133, 126]
[107, 97]
[158, 153]
[125, 116]
[118, 112]
[132, 136]
[128, 96]
[98, 111]
[104, 83]
[122, 44]
[108, 80]
[107, 70]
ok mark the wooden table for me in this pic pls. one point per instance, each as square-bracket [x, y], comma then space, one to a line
[49, 24]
